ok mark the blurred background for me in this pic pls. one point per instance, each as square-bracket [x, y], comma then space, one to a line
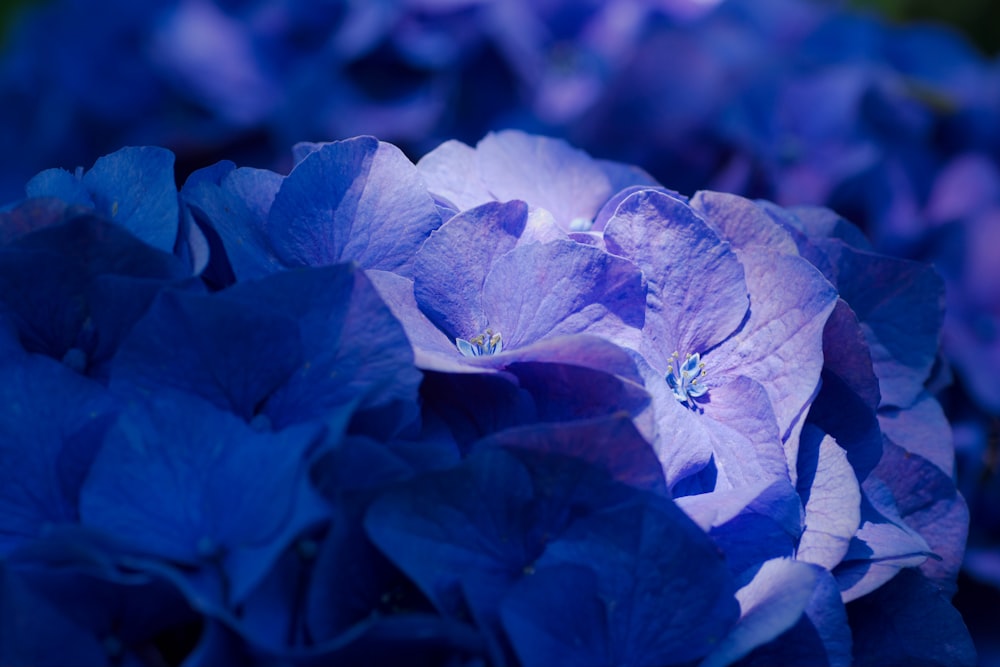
[978, 19]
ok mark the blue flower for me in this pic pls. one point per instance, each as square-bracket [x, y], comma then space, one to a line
[515, 534]
[377, 428]
[200, 496]
[556, 301]
[303, 345]
[735, 415]
[343, 201]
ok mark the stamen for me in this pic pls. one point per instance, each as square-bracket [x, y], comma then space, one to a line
[485, 344]
[682, 378]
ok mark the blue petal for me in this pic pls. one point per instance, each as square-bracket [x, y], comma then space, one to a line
[52, 423]
[770, 603]
[178, 479]
[302, 345]
[354, 351]
[909, 622]
[902, 326]
[38, 631]
[233, 355]
[659, 592]
[357, 199]
[134, 187]
[102, 617]
[81, 284]
[235, 204]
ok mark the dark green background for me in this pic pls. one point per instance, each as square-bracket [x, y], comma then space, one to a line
[979, 19]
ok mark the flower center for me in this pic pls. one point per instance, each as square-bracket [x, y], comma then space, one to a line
[683, 378]
[484, 344]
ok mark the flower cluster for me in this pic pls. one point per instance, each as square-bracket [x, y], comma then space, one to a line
[798, 103]
[509, 405]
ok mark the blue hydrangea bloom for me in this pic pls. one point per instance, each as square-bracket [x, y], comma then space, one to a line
[388, 424]
[893, 126]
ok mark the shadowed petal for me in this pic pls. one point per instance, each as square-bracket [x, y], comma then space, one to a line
[134, 187]
[770, 603]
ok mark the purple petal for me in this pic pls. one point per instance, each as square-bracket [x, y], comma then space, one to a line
[822, 635]
[452, 171]
[909, 622]
[451, 267]
[929, 504]
[551, 174]
[736, 434]
[540, 291]
[921, 429]
[883, 545]
[832, 499]
[582, 350]
[432, 349]
[771, 512]
[742, 222]
[781, 346]
[564, 392]
[610, 443]
[697, 294]
[846, 403]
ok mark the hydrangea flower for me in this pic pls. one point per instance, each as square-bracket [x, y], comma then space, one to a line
[382, 424]
[893, 126]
